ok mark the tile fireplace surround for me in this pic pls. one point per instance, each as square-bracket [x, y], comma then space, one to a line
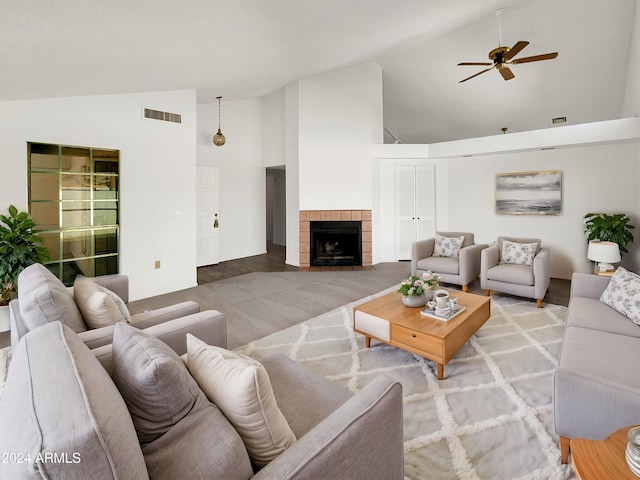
[307, 216]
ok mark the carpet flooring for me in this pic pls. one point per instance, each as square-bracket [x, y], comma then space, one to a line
[489, 418]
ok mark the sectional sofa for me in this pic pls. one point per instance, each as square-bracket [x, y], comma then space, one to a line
[596, 388]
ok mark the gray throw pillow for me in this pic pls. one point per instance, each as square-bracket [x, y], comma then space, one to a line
[45, 299]
[623, 294]
[154, 382]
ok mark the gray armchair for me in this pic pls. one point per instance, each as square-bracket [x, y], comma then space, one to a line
[459, 271]
[531, 281]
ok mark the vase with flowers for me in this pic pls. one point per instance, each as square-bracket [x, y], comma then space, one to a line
[418, 290]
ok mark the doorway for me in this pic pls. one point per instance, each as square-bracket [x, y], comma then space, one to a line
[276, 208]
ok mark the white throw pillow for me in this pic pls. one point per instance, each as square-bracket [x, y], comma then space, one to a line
[240, 387]
[447, 246]
[98, 305]
[623, 294]
[518, 253]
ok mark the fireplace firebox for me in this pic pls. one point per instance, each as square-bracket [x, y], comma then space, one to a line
[336, 243]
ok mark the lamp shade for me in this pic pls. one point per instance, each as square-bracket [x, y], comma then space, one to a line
[604, 252]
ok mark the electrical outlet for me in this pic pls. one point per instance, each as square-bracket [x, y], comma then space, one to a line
[157, 264]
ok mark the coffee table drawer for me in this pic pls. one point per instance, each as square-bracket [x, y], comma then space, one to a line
[418, 340]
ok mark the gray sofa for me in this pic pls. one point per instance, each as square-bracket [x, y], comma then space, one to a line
[596, 388]
[459, 271]
[44, 298]
[60, 401]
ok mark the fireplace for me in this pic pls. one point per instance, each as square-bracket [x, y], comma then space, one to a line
[363, 217]
[336, 243]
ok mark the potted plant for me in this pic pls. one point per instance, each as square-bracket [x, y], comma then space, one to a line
[19, 248]
[414, 288]
[610, 228]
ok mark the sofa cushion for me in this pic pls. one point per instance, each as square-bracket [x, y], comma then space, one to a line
[203, 445]
[153, 381]
[58, 399]
[240, 387]
[98, 307]
[518, 253]
[304, 396]
[596, 387]
[511, 273]
[623, 294]
[440, 265]
[44, 299]
[592, 313]
[446, 246]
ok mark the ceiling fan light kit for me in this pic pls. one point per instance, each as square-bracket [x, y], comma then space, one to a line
[502, 57]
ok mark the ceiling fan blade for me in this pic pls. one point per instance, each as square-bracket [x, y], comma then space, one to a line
[535, 58]
[474, 63]
[479, 73]
[506, 73]
[516, 49]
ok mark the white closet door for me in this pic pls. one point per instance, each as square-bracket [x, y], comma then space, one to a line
[415, 206]
[425, 202]
[406, 216]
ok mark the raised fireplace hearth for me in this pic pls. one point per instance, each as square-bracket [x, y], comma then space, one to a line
[345, 217]
[336, 243]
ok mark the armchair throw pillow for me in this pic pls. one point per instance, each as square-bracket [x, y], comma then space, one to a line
[100, 306]
[518, 253]
[240, 387]
[623, 294]
[447, 246]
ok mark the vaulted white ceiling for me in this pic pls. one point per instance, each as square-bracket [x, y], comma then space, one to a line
[247, 48]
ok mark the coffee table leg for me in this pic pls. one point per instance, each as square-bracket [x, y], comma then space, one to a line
[440, 371]
[367, 341]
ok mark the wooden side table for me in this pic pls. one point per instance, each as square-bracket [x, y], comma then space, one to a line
[598, 460]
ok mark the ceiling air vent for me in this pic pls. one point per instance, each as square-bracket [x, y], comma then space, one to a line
[559, 120]
[164, 116]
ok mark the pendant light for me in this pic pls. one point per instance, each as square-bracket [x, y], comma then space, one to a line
[218, 138]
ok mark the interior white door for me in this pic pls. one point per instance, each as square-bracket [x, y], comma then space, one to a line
[415, 189]
[425, 202]
[208, 223]
[406, 216]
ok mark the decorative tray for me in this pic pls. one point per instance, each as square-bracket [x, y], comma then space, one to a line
[430, 312]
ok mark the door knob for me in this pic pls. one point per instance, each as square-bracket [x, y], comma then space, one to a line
[215, 220]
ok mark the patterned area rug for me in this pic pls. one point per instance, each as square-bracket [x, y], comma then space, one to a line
[490, 418]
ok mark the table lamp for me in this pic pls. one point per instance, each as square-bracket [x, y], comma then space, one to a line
[604, 253]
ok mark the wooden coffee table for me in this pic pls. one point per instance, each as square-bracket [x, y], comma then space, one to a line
[387, 320]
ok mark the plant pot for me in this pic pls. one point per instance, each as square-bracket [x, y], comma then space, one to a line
[414, 301]
[5, 320]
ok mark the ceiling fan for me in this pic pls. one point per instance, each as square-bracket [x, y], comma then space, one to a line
[502, 57]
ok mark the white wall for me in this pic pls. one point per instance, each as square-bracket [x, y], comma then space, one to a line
[587, 186]
[242, 174]
[340, 117]
[273, 129]
[157, 162]
[631, 102]
[292, 160]
[599, 177]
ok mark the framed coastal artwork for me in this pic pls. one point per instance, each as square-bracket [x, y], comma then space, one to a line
[529, 193]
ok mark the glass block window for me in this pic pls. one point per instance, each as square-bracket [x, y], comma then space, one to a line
[74, 202]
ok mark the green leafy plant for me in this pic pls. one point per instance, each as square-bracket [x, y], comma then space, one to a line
[609, 228]
[19, 248]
